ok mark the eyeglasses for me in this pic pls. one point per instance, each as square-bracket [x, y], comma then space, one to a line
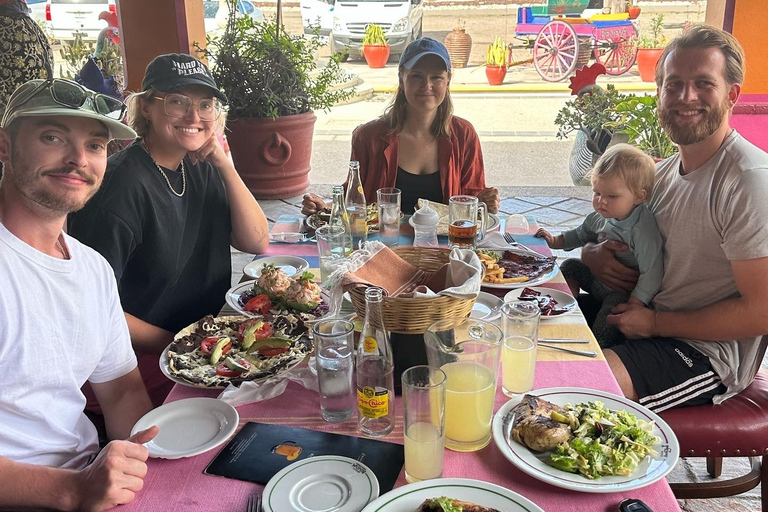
[178, 105]
[73, 95]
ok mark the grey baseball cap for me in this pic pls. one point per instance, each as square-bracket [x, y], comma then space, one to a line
[61, 97]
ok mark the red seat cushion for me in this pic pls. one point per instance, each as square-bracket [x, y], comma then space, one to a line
[737, 427]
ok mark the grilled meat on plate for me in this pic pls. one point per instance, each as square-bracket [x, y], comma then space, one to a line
[443, 504]
[534, 426]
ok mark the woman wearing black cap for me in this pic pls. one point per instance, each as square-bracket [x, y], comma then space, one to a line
[418, 145]
[170, 206]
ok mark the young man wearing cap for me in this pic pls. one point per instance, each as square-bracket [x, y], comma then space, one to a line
[60, 313]
[418, 145]
[171, 205]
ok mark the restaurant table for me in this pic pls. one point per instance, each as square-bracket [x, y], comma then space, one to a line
[180, 485]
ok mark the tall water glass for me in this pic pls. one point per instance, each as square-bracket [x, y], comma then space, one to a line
[467, 350]
[389, 216]
[424, 422]
[332, 246]
[334, 346]
[520, 323]
[463, 230]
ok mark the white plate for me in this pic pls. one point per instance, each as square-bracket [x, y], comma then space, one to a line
[648, 471]
[189, 427]
[408, 497]
[564, 300]
[233, 297]
[291, 265]
[487, 307]
[327, 483]
[533, 282]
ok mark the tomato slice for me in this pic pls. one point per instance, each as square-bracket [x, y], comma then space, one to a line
[208, 344]
[225, 371]
[271, 351]
[260, 304]
[265, 331]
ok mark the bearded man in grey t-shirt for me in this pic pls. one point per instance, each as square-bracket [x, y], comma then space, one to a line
[700, 341]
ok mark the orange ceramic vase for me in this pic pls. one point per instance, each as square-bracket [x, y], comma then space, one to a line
[646, 62]
[495, 74]
[376, 55]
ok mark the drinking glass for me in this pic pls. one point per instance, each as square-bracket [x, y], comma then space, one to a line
[332, 245]
[467, 350]
[334, 346]
[424, 422]
[520, 323]
[462, 222]
[389, 216]
[516, 225]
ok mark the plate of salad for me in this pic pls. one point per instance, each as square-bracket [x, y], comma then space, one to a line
[604, 443]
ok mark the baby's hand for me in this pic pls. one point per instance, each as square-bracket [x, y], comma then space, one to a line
[546, 235]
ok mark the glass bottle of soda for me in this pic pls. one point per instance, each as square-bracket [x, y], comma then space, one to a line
[356, 207]
[375, 371]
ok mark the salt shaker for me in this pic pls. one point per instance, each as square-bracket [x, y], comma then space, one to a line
[424, 222]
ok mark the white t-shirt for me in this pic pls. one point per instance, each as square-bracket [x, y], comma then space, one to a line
[708, 218]
[60, 324]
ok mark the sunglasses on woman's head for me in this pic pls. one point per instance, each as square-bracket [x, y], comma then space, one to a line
[73, 95]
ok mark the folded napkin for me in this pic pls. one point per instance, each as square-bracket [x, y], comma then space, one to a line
[377, 265]
[496, 241]
[287, 229]
[258, 391]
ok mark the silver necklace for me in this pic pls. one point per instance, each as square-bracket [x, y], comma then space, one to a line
[183, 173]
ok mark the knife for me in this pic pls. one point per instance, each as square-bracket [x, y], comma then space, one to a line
[563, 340]
[587, 353]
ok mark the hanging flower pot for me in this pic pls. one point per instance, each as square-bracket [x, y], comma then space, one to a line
[376, 55]
[459, 45]
[495, 74]
[646, 62]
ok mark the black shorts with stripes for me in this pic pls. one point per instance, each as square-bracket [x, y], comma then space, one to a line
[668, 373]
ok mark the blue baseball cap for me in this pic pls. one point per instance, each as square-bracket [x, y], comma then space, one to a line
[422, 47]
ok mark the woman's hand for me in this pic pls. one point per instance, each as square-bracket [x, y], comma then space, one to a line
[601, 260]
[311, 204]
[491, 198]
[211, 152]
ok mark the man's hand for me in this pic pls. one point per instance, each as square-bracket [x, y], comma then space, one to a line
[491, 198]
[634, 320]
[601, 260]
[311, 204]
[116, 475]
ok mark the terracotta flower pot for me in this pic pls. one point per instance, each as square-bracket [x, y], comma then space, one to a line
[646, 62]
[376, 55]
[273, 156]
[459, 45]
[634, 12]
[495, 74]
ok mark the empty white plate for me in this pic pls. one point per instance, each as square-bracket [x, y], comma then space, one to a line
[291, 265]
[189, 427]
[487, 307]
[327, 483]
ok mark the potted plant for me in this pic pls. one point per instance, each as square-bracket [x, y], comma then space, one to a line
[650, 48]
[273, 86]
[496, 62]
[459, 45]
[633, 10]
[637, 118]
[375, 46]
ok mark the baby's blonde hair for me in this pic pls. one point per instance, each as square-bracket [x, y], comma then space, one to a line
[635, 168]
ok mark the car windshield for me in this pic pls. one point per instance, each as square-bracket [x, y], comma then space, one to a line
[79, 2]
[210, 9]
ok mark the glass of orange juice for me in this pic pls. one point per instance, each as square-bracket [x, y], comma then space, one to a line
[467, 350]
[424, 422]
[520, 323]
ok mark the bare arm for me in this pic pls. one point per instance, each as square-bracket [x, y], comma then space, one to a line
[123, 401]
[741, 317]
[250, 232]
[147, 337]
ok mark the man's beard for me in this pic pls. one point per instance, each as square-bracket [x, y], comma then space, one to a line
[29, 184]
[684, 136]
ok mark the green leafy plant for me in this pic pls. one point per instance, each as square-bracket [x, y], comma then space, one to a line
[374, 35]
[496, 54]
[637, 117]
[592, 112]
[657, 39]
[266, 72]
[74, 56]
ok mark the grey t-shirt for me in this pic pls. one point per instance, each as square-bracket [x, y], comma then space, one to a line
[708, 218]
[639, 232]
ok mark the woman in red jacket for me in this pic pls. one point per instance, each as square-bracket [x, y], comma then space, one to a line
[418, 145]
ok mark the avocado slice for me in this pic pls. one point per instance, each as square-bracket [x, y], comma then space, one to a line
[249, 334]
[303, 308]
[233, 364]
[218, 350]
[269, 342]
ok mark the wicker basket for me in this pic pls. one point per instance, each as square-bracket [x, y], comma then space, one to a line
[409, 315]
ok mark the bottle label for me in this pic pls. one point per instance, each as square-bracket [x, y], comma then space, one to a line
[373, 402]
[369, 344]
[360, 189]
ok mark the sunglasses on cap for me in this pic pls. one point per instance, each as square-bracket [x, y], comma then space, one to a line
[73, 95]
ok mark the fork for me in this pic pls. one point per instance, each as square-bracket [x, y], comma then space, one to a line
[510, 240]
[254, 503]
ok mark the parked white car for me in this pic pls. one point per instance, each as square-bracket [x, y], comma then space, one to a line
[66, 18]
[216, 12]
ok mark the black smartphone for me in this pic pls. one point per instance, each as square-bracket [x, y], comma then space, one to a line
[633, 505]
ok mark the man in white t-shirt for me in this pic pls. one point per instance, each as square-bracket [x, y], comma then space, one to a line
[61, 323]
[700, 342]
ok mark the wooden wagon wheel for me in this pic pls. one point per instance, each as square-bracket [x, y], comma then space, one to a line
[555, 51]
[616, 49]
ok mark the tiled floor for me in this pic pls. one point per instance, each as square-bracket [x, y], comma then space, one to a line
[555, 213]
